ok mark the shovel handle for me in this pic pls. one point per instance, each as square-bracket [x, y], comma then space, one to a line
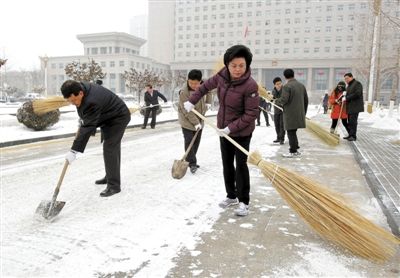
[57, 190]
[223, 134]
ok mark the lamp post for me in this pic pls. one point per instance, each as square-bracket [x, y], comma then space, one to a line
[45, 59]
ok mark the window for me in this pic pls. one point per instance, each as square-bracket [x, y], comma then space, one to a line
[328, 29]
[286, 50]
[316, 49]
[338, 39]
[94, 50]
[121, 63]
[296, 40]
[267, 41]
[112, 64]
[327, 49]
[277, 21]
[103, 64]
[286, 41]
[338, 49]
[103, 50]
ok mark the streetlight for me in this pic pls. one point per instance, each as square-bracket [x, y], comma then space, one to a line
[45, 59]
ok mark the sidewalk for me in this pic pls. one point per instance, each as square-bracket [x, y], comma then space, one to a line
[272, 241]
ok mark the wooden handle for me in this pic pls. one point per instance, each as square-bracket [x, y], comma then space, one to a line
[191, 144]
[219, 132]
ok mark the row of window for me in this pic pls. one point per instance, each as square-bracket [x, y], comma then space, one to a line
[110, 50]
[111, 64]
[206, 17]
[295, 30]
[295, 50]
[250, 4]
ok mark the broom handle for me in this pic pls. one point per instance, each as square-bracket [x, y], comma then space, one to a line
[340, 115]
[144, 107]
[265, 110]
[280, 108]
[190, 145]
[219, 132]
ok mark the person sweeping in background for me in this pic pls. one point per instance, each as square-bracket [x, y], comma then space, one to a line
[238, 109]
[338, 107]
[189, 122]
[99, 107]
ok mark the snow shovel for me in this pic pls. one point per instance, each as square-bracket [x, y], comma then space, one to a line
[179, 167]
[50, 209]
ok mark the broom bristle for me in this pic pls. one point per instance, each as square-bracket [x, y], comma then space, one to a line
[327, 213]
[264, 93]
[329, 138]
[42, 106]
[133, 109]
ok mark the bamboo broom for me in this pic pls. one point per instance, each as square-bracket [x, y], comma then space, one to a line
[324, 210]
[43, 106]
[329, 138]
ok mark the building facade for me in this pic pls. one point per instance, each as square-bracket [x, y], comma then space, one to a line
[320, 40]
[114, 51]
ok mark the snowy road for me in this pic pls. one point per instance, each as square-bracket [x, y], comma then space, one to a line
[140, 229]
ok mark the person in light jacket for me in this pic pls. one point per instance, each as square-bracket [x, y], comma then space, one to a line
[189, 122]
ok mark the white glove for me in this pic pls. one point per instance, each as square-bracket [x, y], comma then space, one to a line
[151, 105]
[343, 98]
[197, 127]
[71, 156]
[208, 106]
[223, 131]
[188, 106]
[344, 93]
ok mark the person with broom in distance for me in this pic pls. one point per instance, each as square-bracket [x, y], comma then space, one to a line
[354, 104]
[338, 107]
[278, 114]
[151, 99]
[294, 101]
[189, 122]
[238, 109]
[99, 107]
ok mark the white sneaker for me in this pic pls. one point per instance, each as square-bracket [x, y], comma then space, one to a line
[242, 210]
[291, 155]
[228, 202]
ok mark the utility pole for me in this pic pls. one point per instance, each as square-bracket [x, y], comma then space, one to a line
[372, 70]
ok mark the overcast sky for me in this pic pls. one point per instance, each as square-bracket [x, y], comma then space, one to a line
[29, 29]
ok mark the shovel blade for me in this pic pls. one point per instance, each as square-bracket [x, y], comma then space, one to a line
[179, 169]
[44, 209]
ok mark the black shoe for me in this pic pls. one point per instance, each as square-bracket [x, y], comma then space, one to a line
[193, 169]
[351, 139]
[268, 125]
[198, 166]
[143, 127]
[109, 192]
[101, 181]
[281, 142]
[276, 141]
[153, 127]
[346, 137]
[258, 124]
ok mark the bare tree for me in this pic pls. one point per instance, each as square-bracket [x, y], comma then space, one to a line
[91, 71]
[174, 81]
[137, 80]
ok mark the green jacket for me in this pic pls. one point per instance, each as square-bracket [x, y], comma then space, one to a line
[189, 120]
[294, 101]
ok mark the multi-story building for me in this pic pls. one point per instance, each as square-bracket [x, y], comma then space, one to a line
[320, 40]
[114, 51]
[138, 28]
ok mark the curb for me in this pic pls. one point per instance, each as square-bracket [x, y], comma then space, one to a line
[66, 135]
[387, 206]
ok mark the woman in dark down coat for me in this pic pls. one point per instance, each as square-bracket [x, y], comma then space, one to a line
[238, 110]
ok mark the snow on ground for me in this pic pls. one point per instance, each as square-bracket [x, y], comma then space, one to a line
[142, 229]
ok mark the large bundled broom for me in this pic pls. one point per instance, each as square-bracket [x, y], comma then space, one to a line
[324, 210]
[329, 138]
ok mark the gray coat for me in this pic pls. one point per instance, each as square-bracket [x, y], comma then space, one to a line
[294, 101]
[354, 97]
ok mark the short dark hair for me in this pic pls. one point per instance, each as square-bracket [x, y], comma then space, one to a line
[70, 87]
[99, 82]
[149, 85]
[349, 74]
[276, 79]
[288, 73]
[195, 74]
[238, 51]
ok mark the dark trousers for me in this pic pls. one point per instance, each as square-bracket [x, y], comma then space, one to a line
[293, 142]
[112, 136]
[237, 181]
[153, 111]
[353, 122]
[265, 116]
[188, 136]
[344, 122]
[280, 131]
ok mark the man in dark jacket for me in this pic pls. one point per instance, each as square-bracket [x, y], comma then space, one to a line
[263, 105]
[294, 101]
[151, 99]
[354, 104]
[278, 114]
[99, 107]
